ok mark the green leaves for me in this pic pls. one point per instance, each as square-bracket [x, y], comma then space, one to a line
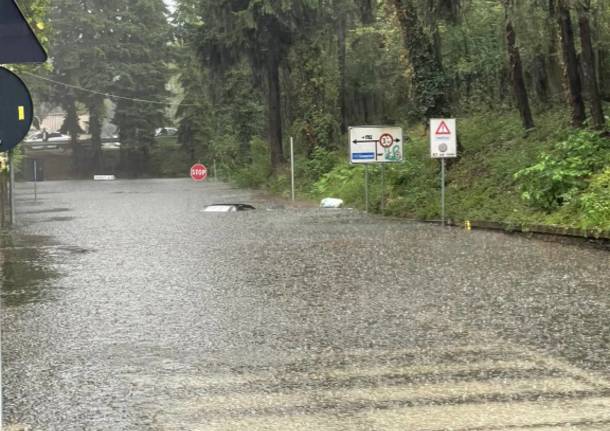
[595, 202]
[562, 173]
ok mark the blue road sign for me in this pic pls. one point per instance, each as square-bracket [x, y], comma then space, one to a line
[16, 110]
[363, 156]
[18, 43]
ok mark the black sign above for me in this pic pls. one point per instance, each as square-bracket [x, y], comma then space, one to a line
[16, 110]
[18, 43]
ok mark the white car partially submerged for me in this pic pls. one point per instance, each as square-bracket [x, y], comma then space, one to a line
[227, 208]
[51, 137]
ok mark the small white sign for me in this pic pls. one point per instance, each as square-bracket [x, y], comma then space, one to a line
[443, 138]
[375, 144]
[104, 178]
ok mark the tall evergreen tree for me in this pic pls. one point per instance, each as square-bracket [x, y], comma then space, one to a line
[571, 64]
[430, 83]
[142, 55]
[516, 70]
[588, 65]
[86, 62]
[261, 31]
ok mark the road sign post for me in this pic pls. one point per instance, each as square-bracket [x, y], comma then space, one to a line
[382, 189]
[11, 168]
[366, 188]
[443, 145]
[443, 192]
[18, 44]
[292, 166]
[375, 145]
[199, 172]
[35, 180]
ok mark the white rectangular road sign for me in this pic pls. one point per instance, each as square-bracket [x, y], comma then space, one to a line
[375, 144]
[443, 138]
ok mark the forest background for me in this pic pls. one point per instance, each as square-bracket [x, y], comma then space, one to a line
[528, 81]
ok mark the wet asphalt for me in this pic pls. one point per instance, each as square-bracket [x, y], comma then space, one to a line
[124, 307]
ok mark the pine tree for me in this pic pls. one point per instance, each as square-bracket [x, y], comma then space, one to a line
[140, 56]
[262, 32]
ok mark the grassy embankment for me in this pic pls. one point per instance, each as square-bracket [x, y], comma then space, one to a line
[570, 188]
[567, 184]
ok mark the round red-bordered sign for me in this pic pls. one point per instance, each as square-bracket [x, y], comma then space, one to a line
[199, 172]
[386, 140]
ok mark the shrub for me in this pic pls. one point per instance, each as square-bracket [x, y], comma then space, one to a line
[257, 173]
[595, 202]
[560, 174]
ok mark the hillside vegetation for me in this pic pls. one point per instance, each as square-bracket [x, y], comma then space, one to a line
[553, 175]
[527, 81]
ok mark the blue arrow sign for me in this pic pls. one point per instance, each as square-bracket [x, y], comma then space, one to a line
[18, 43]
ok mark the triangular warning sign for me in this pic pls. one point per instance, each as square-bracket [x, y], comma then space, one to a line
[18, 43]
[443, 129]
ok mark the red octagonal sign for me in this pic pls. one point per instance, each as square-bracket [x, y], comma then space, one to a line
[199, 172]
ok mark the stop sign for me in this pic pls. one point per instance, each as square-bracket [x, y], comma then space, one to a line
[199, 172]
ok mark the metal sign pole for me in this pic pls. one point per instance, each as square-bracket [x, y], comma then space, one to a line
[11, 168]
[366, 188]
[35, 180]
[292, 165]
[382, 189]
[443, 191]
[215, 175]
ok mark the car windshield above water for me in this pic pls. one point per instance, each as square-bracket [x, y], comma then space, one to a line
[227, 208]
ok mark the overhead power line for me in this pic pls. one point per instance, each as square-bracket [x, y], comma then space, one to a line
[99, 93]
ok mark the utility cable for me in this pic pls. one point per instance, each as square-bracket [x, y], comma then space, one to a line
[99, 93]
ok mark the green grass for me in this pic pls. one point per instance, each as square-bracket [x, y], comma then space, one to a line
[481, 184]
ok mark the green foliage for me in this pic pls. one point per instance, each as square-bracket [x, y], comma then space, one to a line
[320, 162]
[595, 203]
[256, 173]
[168, 159]
[345, 182]
[561, 173]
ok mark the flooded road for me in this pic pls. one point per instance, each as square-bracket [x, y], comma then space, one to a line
[124, 307]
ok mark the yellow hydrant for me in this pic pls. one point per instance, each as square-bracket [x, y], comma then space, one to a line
[468, 225]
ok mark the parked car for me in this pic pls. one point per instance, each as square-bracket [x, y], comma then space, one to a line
[51, 137]
[166, 131]
[227, 208]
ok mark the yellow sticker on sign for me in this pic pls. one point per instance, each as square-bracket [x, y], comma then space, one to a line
[21, 111]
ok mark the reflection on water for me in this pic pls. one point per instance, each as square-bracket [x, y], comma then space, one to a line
[26, 271]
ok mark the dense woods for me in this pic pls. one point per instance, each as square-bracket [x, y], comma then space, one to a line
[241, 76]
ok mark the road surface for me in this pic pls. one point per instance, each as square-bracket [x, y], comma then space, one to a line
[124, 307]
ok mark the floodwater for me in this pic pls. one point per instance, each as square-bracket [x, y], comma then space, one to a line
[124, 307]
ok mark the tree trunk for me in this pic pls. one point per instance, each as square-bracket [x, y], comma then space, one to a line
[367, 11]
[95, 130]
[429, 79]
[516, 74]
[365, 41]
[342, 48]
[554, 68]
[72, 128]
[275, 113]
[571, 65]
[603, 73]
[588, 68]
